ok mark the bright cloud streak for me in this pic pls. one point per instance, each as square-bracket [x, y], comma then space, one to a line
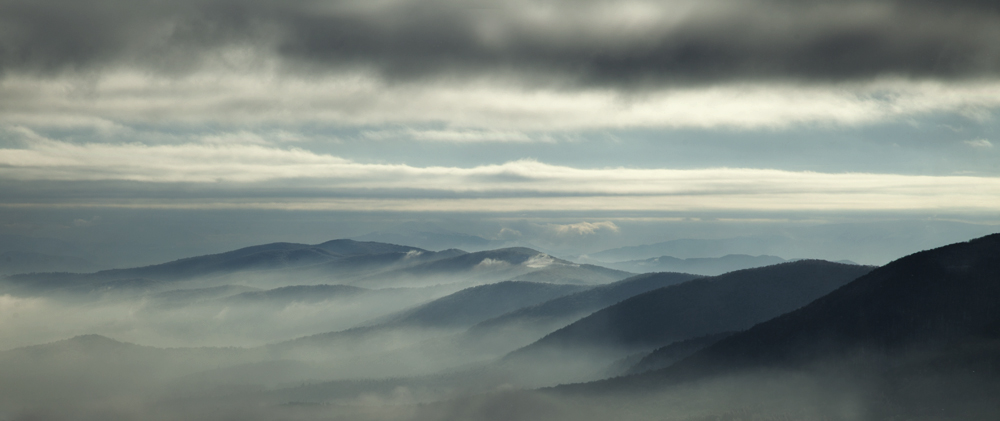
[524, 184]
[484, 111]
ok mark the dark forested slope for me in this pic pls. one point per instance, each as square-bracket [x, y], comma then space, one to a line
[728, 302]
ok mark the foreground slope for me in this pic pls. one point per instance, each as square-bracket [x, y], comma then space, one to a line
[921, 303]
[918, 338]
[730, 302]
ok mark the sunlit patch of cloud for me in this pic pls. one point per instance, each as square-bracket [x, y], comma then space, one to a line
[476, 110]
[979, 143]
[539, 261]
[80, 222]
[491, 263]
[454, 135]
[242, 137]
[583, 228]
[509, 234]
[412, 253]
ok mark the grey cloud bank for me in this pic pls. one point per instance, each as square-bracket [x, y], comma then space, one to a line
[506, 66]
[568, 43]
[487, 72]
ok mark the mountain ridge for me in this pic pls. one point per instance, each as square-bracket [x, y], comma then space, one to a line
[922, 333]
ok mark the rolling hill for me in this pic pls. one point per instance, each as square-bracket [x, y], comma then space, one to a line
[918, 338]
[730, 302]
[473, 305]
[922, 303]
[531, 323]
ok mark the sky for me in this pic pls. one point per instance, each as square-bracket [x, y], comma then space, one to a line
[263, 120]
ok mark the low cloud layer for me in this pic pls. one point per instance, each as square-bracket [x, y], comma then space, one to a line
[253, 174]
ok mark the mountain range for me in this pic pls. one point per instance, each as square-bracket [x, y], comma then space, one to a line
[706, 306]
[416, 334]
[920, 337]
[351, 262]
[709, 266]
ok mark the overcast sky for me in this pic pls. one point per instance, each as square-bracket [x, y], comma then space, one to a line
[688, 108]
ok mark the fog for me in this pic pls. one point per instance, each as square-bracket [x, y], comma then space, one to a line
[777, 395]
[370, 334]
[157, 320]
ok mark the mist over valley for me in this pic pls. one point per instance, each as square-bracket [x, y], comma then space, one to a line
[366, 330]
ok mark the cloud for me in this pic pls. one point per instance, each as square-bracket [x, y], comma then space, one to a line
[80, 222]
[583, 228]
[450, 135]
[509, 234]
[605, 43]
[246, 137]
[491, 263]
[539, 261]
[979, 143]
[493, 70]
[473, 111]
[272, 177]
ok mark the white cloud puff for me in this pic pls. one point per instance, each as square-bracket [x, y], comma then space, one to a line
[979, 143]
[539, 261]
[583, 228]
[491, 263]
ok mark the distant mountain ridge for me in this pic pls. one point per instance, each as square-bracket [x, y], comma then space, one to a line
[339, 256]
[874, 242]
[687, 248]
[343, 261]
[296, 293]
[432, 240]
[14, 262]
[709, 266]
[490, 266]
[264, 256]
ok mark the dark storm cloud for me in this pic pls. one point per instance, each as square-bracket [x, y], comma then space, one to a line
[588, 42]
